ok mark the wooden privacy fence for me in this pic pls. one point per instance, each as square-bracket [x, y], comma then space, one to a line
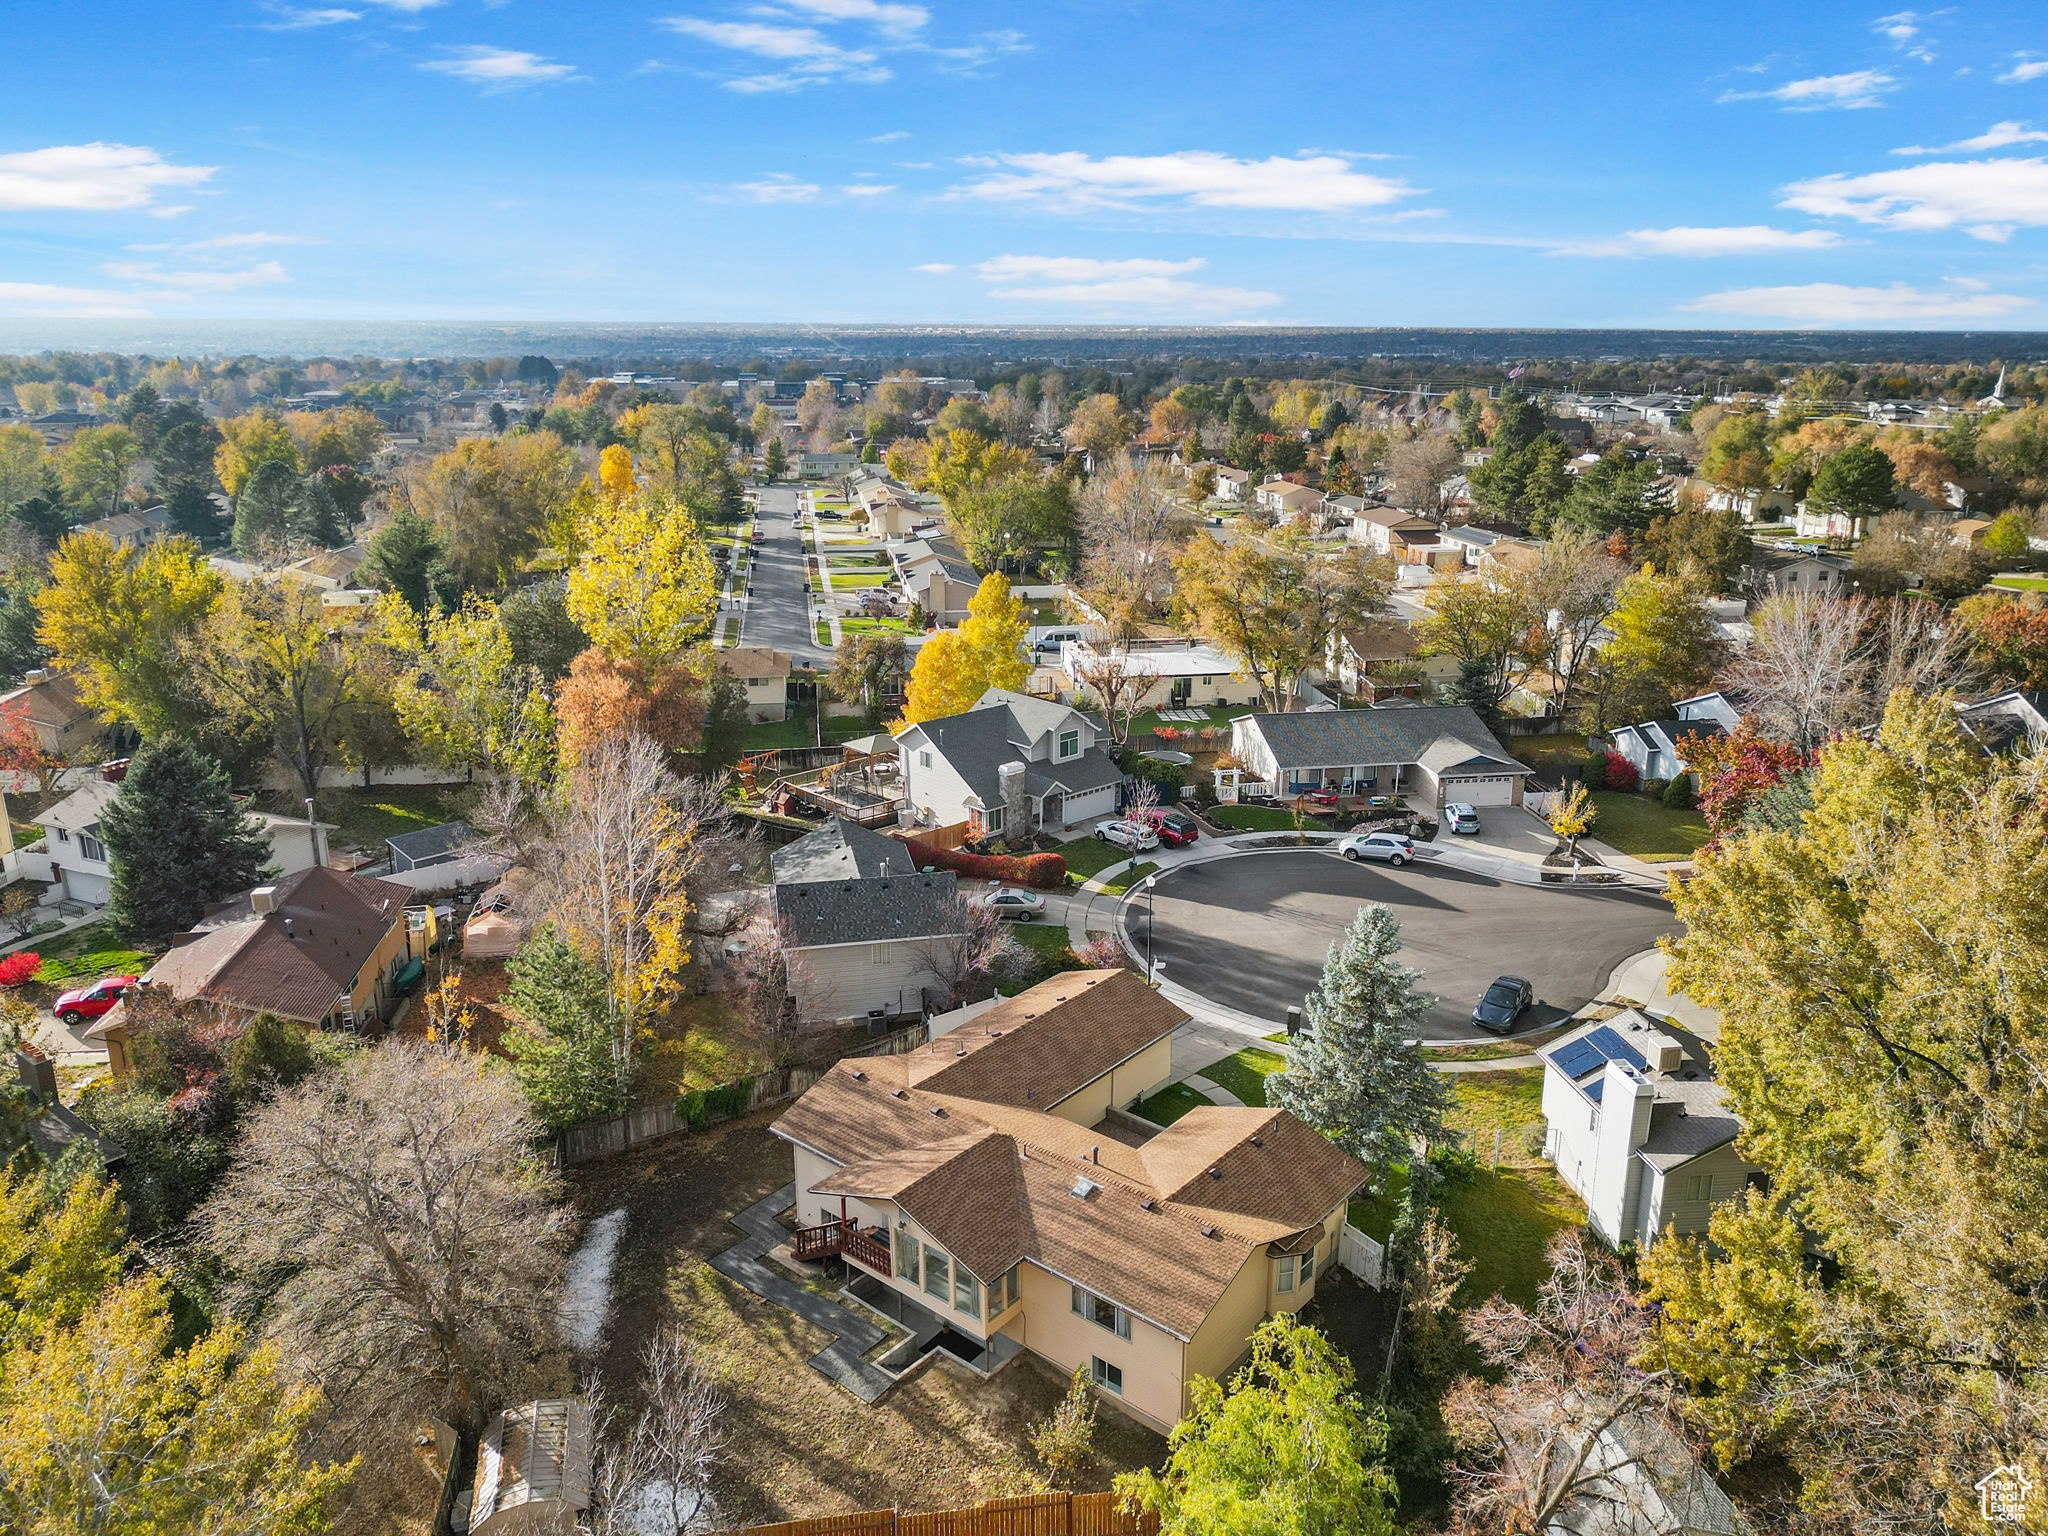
[708, 1106]
[1035, 1514]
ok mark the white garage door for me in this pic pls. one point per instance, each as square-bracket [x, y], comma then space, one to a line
[1487, 791]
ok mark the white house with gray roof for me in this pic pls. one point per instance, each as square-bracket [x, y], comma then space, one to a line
[863, 932]
[1637, 1125]
[1011, 766]
[1436, 753]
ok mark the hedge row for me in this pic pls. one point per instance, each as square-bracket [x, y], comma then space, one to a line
[1039, 871]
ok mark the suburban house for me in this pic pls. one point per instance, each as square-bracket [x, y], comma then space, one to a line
[1776, 572]
[1286, 498]
[1232, 483]
[984, 1191]
[2016, 721]
[1011, 766]
[864, 933]
[1360, 659]
[1769, 506]
[331, 950]
[1435, 753]
[1657, 747]
[1182, 673]
[893, 508]
[825, 466]
[938, 577]
[1470, 542]
[132, 530]
[78, 863]
[764, 672]
[62, 724]
[1637, 1125]
[1396, 534]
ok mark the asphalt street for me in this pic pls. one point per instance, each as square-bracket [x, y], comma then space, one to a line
[1252, 933]
[778, 613]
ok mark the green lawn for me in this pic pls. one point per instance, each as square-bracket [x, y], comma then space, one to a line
[1049, 947]
[822, 631]
[1550, 755]
[88, 953]
[858, 624]
[1087, 856]
[793, 732]
[1647, 828]
[863, 576]
[2021, 583]
[1170, 1103]
[364, 818]
[1130, 877]
[1510, 1100]
[1245, 1073]
[1222, 714]
[1265, 818]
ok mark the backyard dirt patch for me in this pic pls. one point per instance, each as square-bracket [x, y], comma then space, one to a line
[797, 1446]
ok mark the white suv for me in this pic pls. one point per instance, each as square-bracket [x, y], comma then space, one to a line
[1133, 836]
[1461, 818]
[1395, 848]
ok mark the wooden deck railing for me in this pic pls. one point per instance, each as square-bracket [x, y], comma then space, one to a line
[841, 1237]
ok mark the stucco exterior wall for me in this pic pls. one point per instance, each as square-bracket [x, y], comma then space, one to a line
[1150, 1358]
[1120, 1087]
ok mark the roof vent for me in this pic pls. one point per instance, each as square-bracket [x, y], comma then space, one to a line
[898, 1093]
[939, 1110]
[859, 1076]
[1215, 1173]
[1148, 1204]
[1255, 1140]
[962, 1051]
[1083, 1188]
[1208, 1231]
[1095, 1154]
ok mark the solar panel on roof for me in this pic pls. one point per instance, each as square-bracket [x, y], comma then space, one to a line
[1577, 1059]
[1595, 1088]
[1613, 1048]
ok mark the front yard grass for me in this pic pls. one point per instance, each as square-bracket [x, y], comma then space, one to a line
[2022, 583]
[365, 818]
[1265, 818]
[88, 953]
[1130, 877]
[1051, 953]
[1646, 828]
[861, 624]
[853, 580]
[1245, 1073]
[1087, 856]
[1170, 1103]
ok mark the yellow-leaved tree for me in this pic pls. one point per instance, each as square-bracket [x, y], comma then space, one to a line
[645, 589]
[943, 681]
[994, 634]
[615, 470]
[248, 443]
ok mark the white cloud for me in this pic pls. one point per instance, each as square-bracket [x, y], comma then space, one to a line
[1686, 240]
[1136, 283]
[1986, 198]
[1903, 28]
[890, 137]
[231, 242]
[810, 57]
[500, 69]
[867, 189]
[1997, 136]
[406, 5]
[1200, 178]
[900, 21]
[2023, 70]
[935, 266]
[68, 303]
[792, 33]
[780, 189]
[1822, 93]
[1839, 303]
[210, 281]
[292, 20]
[97, 178]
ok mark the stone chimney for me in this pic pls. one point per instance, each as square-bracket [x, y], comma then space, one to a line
[37, 1073]
[1015, 804]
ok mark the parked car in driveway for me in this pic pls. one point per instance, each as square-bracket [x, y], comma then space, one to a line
[1503, 1004]
[1460, 817]
[1176, 829]
[1395, 848]
[1132, 836]
[1015, 906]
[89, 1002]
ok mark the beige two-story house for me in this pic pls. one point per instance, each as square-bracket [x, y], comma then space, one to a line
[986, 1189]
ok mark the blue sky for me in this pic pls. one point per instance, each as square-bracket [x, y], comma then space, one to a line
[1113, 161]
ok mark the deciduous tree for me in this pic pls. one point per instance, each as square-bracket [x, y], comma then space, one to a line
[123, 623]
[645, 589]
[277, 667]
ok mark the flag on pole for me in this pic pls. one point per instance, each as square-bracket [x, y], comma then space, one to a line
[1515, 372]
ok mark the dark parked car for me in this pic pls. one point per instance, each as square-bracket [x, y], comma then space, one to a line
[1177, 829]
[1503, 1004]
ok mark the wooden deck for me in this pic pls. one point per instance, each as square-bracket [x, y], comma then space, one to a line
[844, 1238]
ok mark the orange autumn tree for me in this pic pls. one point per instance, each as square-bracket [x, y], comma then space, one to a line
[602, 698]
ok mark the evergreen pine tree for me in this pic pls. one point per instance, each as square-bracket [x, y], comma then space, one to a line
[265, 510]
[192, 511]
[1473, 687]
[775, 459]
[177, 841]
[408, 556]
[1355, 1073]
[725, 723]
[562, 1045]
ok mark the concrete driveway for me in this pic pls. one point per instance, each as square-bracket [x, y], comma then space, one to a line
[1252, 933]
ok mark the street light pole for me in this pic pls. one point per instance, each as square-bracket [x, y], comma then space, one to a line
[1151, 935]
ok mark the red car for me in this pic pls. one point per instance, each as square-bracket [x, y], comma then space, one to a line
[82, 1003]
[1176, 829]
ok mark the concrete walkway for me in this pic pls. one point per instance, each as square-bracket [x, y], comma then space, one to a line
[840, 1361]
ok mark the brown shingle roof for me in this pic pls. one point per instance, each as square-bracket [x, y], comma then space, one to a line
[992, 1179]
[294, 961]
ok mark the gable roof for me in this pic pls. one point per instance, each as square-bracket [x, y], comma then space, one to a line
[999, 729]
[753, 661]
[81, 808]
[1437, 736]
[297, 959]
[840, 850]
[51, 700]
[958, 1133]
[872, 911]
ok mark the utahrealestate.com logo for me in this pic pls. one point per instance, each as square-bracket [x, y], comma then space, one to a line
[2002, 1495]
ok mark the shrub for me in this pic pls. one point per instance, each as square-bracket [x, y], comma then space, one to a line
[19, 967]
[1679, 794]
[1593, 772]
[1039, 871]
[1065, 1440]
[1656, 787]
[1621, 773]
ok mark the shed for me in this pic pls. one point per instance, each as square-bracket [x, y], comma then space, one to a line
[533, 1470]
[428, 846]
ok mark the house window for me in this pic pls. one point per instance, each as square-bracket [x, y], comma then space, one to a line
[966, 1292]
[90, 847]
[1296, 1269]
[906, 1257]
[1102, 1312]
[1003, 1294]
[1700, 1186]
[924, 759]
[1070, 743]
[63, 836]
[992, 819]
[938, 1273]
[878, 954]
[1109, 1377]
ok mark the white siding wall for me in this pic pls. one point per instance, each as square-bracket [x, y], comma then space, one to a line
[846, 981]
